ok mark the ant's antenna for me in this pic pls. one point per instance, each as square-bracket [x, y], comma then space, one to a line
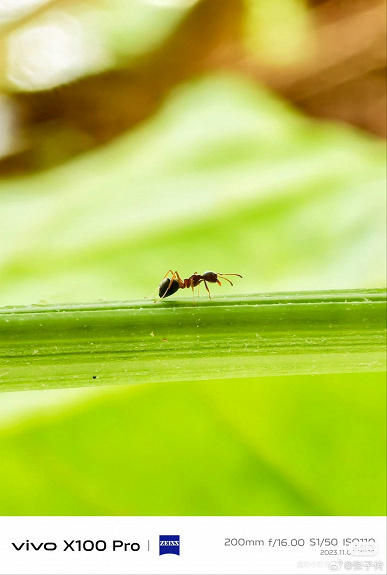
[227, 280]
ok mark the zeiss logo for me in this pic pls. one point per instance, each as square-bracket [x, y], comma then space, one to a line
[169, 544]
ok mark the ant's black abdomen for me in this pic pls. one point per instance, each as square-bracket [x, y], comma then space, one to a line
[164, 286]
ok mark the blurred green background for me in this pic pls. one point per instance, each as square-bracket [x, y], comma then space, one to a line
[239, 136]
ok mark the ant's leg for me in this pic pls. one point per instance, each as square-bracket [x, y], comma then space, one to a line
[209, 293]
[152, 294]
[192, 285]
[200, 281]
[181, 282]
[169, 271]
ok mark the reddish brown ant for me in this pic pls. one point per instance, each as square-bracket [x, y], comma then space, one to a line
[170, 285]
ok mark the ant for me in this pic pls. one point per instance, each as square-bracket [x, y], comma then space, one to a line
[170, 286]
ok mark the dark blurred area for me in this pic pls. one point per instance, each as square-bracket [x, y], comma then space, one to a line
[326, 57]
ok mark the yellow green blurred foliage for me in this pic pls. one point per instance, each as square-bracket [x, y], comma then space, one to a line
[301, 445]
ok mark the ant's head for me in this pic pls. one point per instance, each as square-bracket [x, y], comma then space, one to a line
[210, 277]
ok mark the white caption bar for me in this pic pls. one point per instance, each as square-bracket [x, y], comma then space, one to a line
[192, 545]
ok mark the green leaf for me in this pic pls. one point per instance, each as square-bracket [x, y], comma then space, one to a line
[130, 342]
[291, 445]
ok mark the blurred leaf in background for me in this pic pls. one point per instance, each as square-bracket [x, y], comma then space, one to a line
[326, 56]
[265, 446]
[224, 176]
